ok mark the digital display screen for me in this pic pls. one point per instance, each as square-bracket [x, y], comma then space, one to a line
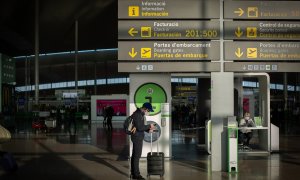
[118, 105]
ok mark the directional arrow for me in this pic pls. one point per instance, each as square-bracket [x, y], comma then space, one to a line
[238, 53]
[131, 32]
[238, 32]
[132, 54]
[240, 12]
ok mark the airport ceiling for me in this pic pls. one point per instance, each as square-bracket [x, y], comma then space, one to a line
[97, 25]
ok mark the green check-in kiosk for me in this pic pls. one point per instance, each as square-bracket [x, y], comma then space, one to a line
[232, 144]
[155, 89]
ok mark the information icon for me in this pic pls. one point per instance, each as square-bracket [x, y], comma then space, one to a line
[133, 11]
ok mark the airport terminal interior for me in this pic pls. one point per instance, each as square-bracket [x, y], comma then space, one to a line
[73, 47]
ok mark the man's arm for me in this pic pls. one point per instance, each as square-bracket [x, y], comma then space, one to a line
[242, 123]
[251, 123]
[138, 122]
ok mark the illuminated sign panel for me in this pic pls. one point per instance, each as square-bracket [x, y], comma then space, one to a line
[169, 29]
[172, 9]
[169, 50]
[261, 9]
[263, 50]
[8, 69]
[262, 30]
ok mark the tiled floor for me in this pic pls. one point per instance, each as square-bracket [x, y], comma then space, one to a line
[99, 154]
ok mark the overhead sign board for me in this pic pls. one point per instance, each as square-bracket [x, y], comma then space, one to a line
[168, 50]
[152, 33]
[147, 67]
[265, 30]
[169, 29]
[261, 67]
[173, 9]
[262, 9]
[8, 70]
[264, 50]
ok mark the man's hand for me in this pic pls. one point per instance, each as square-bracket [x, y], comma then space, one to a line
[152, 128]
[133, 130]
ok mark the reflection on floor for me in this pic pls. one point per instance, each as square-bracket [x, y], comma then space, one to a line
[96, 153]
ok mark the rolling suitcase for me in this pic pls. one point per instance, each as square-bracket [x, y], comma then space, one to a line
[155, 162]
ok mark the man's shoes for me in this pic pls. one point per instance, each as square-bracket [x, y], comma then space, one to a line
[139, 177]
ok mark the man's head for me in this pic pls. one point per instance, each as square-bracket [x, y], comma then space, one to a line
[147, 107]
[247, 116]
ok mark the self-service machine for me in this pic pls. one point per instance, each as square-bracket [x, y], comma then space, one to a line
[156, 89]
[232, 140]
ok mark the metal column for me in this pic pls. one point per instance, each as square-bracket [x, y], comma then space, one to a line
[37, 46]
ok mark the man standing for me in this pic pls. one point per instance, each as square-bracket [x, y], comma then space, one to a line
[109, 115]
[72, 120]
[104, 117]
[137, 138]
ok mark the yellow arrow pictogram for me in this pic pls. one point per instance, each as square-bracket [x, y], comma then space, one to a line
[238, 53]
[131, 32]
[238, 32]
[132, 54]
[240, 12]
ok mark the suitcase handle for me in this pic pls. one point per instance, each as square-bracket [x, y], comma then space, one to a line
[151, 140]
